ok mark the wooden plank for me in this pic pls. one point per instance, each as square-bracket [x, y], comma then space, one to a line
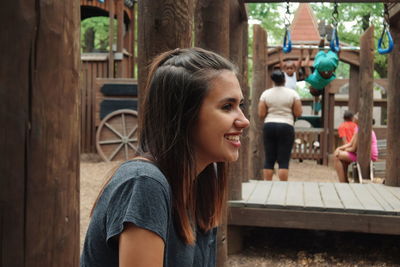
[312, 196]
[384, 204]
[387, 196]
[277, 196]
[314, 220]
[350, 201]
[259, 195]
[368, 200]
[295, 195]
[330, 197]
[395, 191]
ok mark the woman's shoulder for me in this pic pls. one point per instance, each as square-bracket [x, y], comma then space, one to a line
[141, 169]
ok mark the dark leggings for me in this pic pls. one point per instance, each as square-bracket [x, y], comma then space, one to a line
[278, 143]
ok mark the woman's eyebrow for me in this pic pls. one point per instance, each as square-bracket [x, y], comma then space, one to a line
[232, 100]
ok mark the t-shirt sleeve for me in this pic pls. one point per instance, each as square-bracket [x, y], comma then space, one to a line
[296, 95]
[143, 202]
[263, 96]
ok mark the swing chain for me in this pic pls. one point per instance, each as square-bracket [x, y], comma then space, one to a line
[385, 16]
[287, 16]
[335, 15]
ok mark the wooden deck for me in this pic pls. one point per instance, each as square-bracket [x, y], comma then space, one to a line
[370, 208]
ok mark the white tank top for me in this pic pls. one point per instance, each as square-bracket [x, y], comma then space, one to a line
[290, 81]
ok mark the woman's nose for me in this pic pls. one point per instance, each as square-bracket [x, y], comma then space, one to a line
[242, 122]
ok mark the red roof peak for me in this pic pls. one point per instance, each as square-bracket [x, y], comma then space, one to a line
[304, 27]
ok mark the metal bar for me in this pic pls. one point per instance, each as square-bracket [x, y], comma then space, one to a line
[345, 48]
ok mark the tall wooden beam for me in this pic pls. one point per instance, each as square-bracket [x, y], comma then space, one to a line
[212, 33]
[111, 15]
[39, 137]
[366, 100]
[246, 94]
[235, 49]
[393, 96]
[120, 72]
[354, 88]
[259, 85]
[238, 170]
[212, 25]
[161, 29]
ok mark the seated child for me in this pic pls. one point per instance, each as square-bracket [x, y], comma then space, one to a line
[347, 128]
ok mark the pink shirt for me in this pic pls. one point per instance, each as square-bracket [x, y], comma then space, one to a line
[374, 146]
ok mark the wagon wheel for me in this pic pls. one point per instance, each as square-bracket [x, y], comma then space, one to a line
[116, 136]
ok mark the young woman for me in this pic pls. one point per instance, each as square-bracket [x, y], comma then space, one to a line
[162, 208]
[278, 107]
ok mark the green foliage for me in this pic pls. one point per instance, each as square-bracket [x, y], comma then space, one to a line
[271, 18]
[353, 20]
[100, 25]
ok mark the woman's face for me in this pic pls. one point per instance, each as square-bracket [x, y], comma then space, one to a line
[221, 122]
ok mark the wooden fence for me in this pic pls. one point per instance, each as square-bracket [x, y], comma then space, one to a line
[308, 144]
[93, 66]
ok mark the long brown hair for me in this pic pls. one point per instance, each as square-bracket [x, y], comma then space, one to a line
[177, 84]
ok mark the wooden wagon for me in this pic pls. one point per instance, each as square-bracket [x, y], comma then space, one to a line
[116, 118]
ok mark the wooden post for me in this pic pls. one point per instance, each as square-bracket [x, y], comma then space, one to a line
[259, 79]
[132, 40]
[212, 25]
[39, 137]
[331, 118]
[366, 100]
[160, 30]
[325, 121]
[393, 96]
[236, 56]
[111, 15]
[246, 95]
[354, 88]
[212, 33]
[120, 72]
[236, 170]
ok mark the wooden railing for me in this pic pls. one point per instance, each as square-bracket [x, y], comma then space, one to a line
[308, 144]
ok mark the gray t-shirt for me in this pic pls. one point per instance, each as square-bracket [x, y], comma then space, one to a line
[140, 194]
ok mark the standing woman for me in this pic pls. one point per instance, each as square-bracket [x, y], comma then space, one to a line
[278, 107]
[162, 207]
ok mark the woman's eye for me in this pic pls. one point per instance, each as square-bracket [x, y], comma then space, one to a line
[242, 106]
[227, 107]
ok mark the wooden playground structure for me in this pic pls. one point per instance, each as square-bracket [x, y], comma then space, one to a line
[42, 102]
